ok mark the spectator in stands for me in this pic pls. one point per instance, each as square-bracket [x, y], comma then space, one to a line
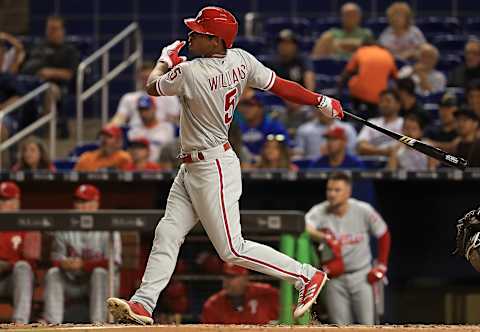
[53, 59]
[257, 125]
[445, 129]
[469, 146]
[463, 74]
[167, 107]
[241, 301]
[108, 156]
[310, 140]
[140, 152]
[289, 63]
[372, 142]
[10, 58]
[80, 262]
[336, 155]
[367, 73]
[342, 42]
[401, 156]
[410, 103]
[33, 156]
[19, 252]
[402, 37]
[473, 96]
[275, 154]
[168, 159]
[157, 132]
[427, 79]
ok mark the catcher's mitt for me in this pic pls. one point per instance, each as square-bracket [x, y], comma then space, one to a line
[468, 234]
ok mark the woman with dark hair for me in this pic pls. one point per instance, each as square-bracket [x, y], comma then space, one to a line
[275, 154]
[33, 156]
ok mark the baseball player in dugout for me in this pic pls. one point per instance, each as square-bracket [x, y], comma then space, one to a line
[241, 301]
[343, 226]
[79, 260]
[19, 253]
[208, 185]
[468, 238]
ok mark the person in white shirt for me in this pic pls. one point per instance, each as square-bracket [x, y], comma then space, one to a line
[372, 142]
[427, 79]
[167, 107]
[159, 133]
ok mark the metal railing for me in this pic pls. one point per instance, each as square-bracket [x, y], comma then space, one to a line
[107, 74]
[50, 117]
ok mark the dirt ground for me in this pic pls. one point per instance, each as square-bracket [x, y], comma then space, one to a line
[239, 328]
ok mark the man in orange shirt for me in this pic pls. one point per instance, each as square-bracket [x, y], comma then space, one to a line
[241, 301]
[108, 156]
[18, 252]
[367, 73]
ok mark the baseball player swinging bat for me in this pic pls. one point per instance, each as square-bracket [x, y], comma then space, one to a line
[424, 148]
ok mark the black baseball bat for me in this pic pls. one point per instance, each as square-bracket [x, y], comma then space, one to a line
[429, 150]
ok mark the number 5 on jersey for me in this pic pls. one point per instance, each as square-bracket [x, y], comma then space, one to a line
[230, 105]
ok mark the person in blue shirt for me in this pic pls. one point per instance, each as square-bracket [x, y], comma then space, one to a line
[337, 156]
[256, 125]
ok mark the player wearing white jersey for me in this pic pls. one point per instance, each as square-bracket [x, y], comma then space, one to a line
[208, 185]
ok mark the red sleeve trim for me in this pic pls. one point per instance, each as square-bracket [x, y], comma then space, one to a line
[384, 242]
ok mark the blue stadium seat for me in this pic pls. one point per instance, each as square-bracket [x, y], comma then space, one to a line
[433, 98]
[433, 26]
[269, 99]
[254, 45]
[331, 67]
[64, 164]
[81, 148]
[325, 81]
[472, 25]
[452, 44]
[374, 162]
[303, 163]
[323, 24]
[84, 44]
[377, 25]
[448, 61]
[300, 25]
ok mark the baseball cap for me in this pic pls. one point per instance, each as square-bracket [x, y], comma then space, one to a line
[87, 192]
[287, 35]
[139, 142]
[144, 102]
[112, 131]
[466, 113]
[9, 190]
[448, 100]
[336, 132]
[234, 270]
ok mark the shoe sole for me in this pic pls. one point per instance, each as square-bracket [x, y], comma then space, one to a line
[122, 313]
[300, 311]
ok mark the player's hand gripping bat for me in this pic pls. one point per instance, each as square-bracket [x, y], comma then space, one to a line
[424, 148]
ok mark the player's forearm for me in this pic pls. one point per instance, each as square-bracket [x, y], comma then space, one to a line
[367, 149]
[294, 92]
[384, 242]
[314, 233]
[160, 69]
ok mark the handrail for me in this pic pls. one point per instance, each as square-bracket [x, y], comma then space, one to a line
[50, 117]
[107, 74]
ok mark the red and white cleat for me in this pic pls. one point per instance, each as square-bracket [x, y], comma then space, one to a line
[128, 312]
[308, 294]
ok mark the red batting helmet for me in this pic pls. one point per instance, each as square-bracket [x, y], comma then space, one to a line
[215, 21]
[87, 192]
[9, 190]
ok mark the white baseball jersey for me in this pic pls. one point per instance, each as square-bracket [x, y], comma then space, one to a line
[158, 135]
[209, 90]
[352, 230]
[377, 138]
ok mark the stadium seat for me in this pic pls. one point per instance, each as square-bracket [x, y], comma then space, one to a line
[472, 25]
[447, 62]
[303, 163]
[433, 26]
[65, 164]
[331, 67]
[325, 81]
[377, 25]
[323, 24]
[299, 25]
[81, 148]
[254, 45]
[452, 44]
[269, 99]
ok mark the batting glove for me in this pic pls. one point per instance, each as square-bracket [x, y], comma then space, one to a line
[330, 107]
[170, 54]
[377, 273]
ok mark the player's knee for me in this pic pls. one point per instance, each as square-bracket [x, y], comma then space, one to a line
[22, 267]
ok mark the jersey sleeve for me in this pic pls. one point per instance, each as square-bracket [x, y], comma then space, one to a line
[125, 106]
[314, 217]
[59, 247]
[259, 76]
[376, 225]
[365, 134]
[173, 83]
